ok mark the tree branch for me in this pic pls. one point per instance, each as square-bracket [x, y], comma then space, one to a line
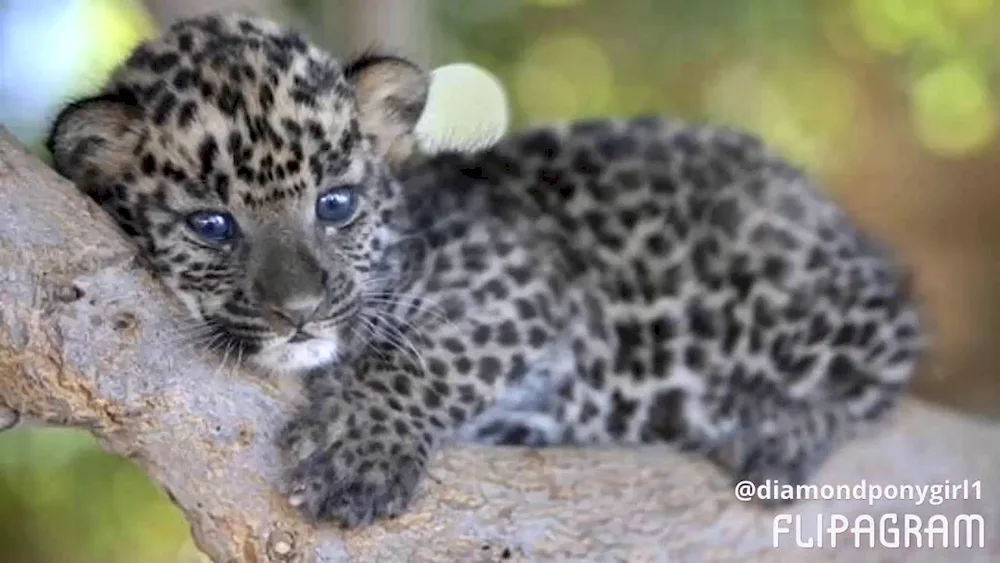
[86, 341]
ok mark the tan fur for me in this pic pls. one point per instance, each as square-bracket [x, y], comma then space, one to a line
[384, 91]
[96, 140]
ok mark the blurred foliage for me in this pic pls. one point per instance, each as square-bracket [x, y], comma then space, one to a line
[83, 41]
[784, 68]
[798, 73]
[63, 500]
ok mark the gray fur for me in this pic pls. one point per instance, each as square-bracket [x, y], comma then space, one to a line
[600, 282]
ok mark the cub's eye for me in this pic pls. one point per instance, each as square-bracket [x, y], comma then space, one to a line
[337, 206]
[213, 225]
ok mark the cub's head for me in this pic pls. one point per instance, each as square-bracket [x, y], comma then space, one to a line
[252, 170]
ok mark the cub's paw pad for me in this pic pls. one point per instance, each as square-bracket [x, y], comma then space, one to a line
[8, 418]
[354, 490]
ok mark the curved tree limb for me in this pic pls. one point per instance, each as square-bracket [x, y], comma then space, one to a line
[86, 340]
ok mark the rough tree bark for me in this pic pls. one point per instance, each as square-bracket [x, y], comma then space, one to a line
[86, 341]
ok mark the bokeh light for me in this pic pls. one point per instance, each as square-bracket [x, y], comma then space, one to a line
[953, 109]
[563, 76]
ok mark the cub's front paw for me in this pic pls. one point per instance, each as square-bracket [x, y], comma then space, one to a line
[357, 483]
[776, 459]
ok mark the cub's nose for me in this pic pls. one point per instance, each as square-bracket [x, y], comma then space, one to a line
[298, 310]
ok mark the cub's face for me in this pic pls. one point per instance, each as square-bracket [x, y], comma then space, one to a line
[251, 169]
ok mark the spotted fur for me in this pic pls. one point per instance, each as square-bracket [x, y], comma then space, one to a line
[599, 282]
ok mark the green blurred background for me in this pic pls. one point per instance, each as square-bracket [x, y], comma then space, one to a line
[892, 103]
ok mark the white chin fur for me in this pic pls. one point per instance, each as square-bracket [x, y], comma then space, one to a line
[303, 356]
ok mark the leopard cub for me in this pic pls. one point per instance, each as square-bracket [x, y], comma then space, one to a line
[598, 282]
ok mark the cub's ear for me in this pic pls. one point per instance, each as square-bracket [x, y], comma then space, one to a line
[95, 138]
[391, 93]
